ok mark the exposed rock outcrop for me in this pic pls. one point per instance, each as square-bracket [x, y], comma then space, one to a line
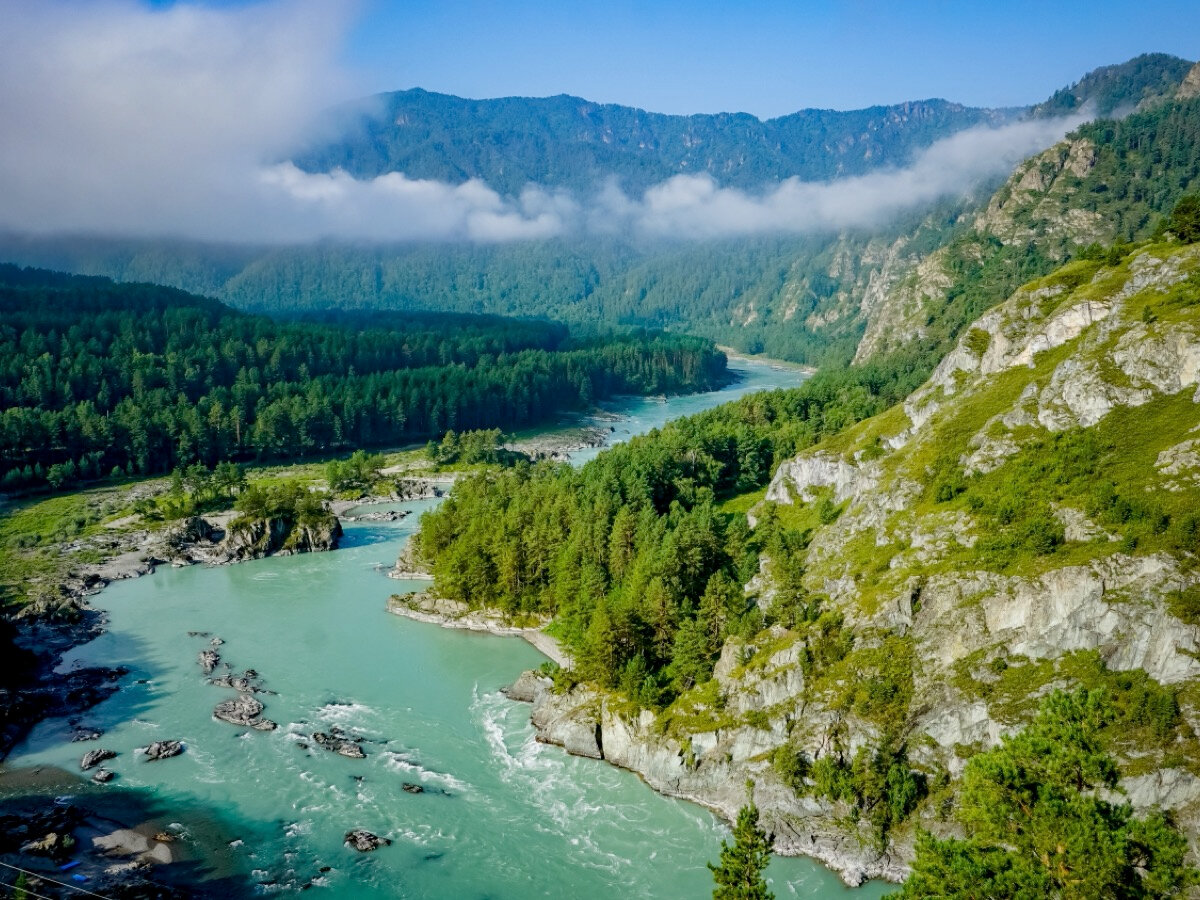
[364, 841]
[162, 750]
[243, 710]
[339, 743]
[93, 758]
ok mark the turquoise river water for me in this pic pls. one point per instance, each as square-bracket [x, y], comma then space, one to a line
[501, 816]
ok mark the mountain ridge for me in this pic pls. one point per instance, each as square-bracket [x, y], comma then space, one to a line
[564, 141]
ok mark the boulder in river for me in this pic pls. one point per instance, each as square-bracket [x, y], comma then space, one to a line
[163, 750]
[409, 788]
[335, 743]
[93, 758]
[243, 710]
[246, 683]
[364, 842]
[208, 660]
[102, 776]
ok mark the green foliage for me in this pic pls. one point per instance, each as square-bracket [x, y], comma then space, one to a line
[360, 471]
[97, 375]
[1110, 88]
[285, 500]
[1037, 825]
[740, 876]
[471, 448]
[878, 783]
[1185, 604]
[792, 766]
[1185, 219]
[978, 340]
[631, 553]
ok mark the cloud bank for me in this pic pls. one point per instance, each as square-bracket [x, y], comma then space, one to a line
[126, 120]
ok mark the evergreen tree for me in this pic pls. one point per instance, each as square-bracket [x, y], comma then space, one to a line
[1185, 219]
[1037, 826]
[740, 874]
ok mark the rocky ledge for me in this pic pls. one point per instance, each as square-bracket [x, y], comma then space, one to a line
[425, 607]
[584, 723]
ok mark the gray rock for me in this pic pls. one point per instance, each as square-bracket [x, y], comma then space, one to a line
[208, 660]
[102, 776]
[163, 750]
[243, 710]
[337, 743]
[93, 758]
[527, 687]
[364, 841]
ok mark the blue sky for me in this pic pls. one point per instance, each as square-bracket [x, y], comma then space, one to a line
[767, 58]
[178, 116]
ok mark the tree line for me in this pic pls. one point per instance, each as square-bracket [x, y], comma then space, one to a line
[98, 378]
[632, 552]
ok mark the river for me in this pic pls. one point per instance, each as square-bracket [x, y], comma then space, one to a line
[501, 816]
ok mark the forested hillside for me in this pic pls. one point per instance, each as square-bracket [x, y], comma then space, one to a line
[569, 142]
[99, 377]
[909, 585]
[818, 299]
[573, 143]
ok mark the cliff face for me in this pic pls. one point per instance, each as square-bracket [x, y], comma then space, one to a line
[251, 539]
[1026, 520]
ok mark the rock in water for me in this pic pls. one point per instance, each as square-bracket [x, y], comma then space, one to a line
[364, 842]
[243, 710]
[336, 744]
[409, 788]
[102, 776]
[163, 750]
[208, 660]
[94, 757]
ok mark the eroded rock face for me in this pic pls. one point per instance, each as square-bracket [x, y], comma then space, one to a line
[278, 537]
[709, 768]
[820, 470]
[895, 568]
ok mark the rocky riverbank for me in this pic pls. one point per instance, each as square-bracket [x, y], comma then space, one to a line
[45, 628]
[586, 722]
[423, 607]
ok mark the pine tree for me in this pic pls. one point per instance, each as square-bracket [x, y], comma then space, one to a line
[740, 874]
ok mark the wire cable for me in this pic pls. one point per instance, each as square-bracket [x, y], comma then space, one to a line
[52, 881]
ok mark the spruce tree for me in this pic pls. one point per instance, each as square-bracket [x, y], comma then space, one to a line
[740, 874]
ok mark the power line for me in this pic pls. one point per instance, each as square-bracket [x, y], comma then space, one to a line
[16, 887]
[52, 881]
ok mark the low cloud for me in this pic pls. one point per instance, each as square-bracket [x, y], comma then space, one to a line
[126, 120]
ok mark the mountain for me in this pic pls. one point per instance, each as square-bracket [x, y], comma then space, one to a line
[905, 589]
[1110, 89]
[569, 142]
[821, 299]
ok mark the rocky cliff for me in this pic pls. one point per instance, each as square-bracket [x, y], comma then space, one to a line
[1026, 520]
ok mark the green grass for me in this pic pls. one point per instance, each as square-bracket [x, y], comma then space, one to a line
[32, 532]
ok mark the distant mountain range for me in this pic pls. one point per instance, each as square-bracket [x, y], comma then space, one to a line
[569, 142]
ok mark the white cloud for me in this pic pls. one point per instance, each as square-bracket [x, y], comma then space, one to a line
[122, 119]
